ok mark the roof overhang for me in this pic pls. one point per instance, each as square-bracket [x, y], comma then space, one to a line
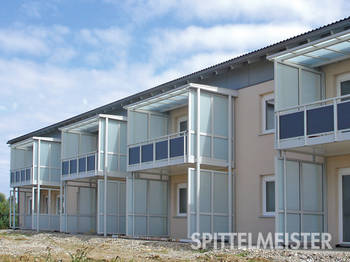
[29, 142]
[176, 98]
[317, 53]
[90, 124]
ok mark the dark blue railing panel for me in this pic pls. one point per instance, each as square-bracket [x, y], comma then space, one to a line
[28, 174]
[343, 115]
[291, 125]
[12, 177]
[23, 175]
[90, 163]
[177, 146]
[82, 164]
[73, 166]
[162, 150]
[65, 167]
[134, 155]
[17, 176]
[147, 153]
[320, 120]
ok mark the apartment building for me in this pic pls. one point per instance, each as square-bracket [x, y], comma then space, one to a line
[255, 144]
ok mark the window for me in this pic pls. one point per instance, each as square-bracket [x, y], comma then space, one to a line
[268, 111]
[182, 124]
[343, 85]
[268, 197]
[182, 199]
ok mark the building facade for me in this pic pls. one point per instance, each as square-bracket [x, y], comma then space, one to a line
[255, 144]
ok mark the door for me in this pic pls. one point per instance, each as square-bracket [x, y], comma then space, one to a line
[344, 207]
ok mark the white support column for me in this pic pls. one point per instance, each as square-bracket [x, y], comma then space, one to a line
[14, 208]
[230, 163]
[49, 207]
[10, 209]
[65, 206]
[105, 180]
[60, 207]
[38, 190]
[285, 191]
[33, 206]
[198, 166]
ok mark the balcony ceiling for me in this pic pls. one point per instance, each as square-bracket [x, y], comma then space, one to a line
[165, 102]
[317, 53]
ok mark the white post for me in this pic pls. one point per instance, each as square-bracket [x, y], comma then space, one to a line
[105, 180]
[49, 207]
[335, 116]
[60, 207]
[198, 159]
[230, 163]
[14, 208]
[32, 207]
[65, 206]
[38, 190]
[10, 209]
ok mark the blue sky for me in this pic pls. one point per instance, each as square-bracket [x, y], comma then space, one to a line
[59, 58]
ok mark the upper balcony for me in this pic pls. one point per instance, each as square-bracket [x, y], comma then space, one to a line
[162, 130]
[312, 92]
[33, 158]
[85, 143]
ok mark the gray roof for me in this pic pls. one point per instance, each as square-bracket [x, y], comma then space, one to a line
[250, 57]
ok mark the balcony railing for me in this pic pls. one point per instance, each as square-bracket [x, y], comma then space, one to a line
[80, 165]
[21, 176]
[158, 150]
[318, 122]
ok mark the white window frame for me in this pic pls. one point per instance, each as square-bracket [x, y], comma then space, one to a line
[265, 98]
[341, 78]
[181, 119]
[268, 178]
[180, 186]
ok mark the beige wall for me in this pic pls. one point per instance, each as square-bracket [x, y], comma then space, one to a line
[254, 158]
[332, 71]
[174, 116]
[178, 225]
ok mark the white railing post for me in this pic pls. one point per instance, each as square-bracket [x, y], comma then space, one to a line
[305, 126]
[335, 112]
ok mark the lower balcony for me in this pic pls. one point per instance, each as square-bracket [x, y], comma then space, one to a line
[159, 152]
[80, 167]
[315, 125]
[21, 177]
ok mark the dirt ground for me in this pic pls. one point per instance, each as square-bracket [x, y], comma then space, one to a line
[30, 246]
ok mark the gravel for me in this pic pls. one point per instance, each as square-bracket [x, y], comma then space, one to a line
[16, 245]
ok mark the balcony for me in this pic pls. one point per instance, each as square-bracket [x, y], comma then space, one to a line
[162, 151]
[164, 130]
[21, 177]
[320, 122]
[93, 146]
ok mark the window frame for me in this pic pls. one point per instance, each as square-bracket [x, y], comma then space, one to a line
[265, 179]
[341, 78]
[264, 99]
[181, 186]
[179, 120]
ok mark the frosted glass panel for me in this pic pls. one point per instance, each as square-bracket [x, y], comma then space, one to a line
[205, 114]
[205, 192]
[140, 127]
[193, 110]
[122, 163]
[70, 145]
[123, 137]
[158, 126]
[220, 148]
[220, 193]
[87, 144]
[205, 146]
[192, 191]
[204, 223]
[220, 104]
[44, 174]
[113, 131]
[293, 223]
[158, 198]
[102, 132]
[280, 184]
[310, 87]
[44, 153]
[55, 155]
[140, 225]
[292, 185]
[220, 224]
[312, 223]
[287, 86]
[312, 187]
[140, 194]
[112, 162]
[157, 226]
